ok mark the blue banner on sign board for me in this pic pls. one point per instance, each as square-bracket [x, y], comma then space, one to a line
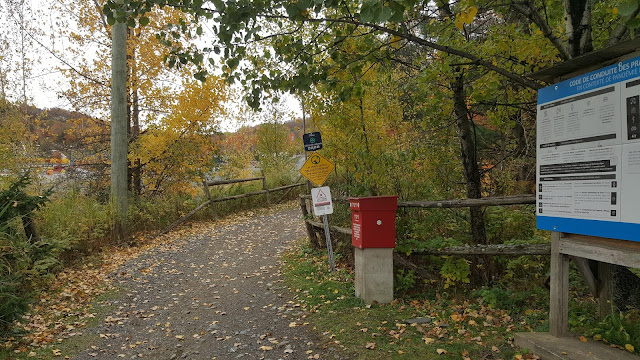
[622, 71]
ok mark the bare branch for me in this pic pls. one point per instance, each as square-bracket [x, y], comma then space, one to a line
[534, 16]
[622, 29]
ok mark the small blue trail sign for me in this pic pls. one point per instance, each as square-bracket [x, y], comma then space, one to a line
[312, 141]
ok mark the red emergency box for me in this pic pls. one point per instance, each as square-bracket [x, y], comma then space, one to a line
[373, 221]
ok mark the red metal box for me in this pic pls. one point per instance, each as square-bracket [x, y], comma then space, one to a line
[373, 221]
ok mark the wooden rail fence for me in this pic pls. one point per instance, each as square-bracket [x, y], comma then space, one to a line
[210, 200]
[467, 250]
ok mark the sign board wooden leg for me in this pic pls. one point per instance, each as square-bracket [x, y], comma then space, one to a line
[559, 294]
[605, 290]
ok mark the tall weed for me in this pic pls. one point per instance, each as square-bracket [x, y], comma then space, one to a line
[79, 221]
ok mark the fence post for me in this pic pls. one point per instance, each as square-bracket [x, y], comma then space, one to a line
[206, 189]
[264, 185]
[310, 232]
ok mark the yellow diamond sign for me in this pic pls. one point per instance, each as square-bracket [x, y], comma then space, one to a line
[317, 169]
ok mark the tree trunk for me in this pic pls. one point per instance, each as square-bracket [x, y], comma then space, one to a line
[30, 229]
[119, 122]
[468, 154]
[136, 176]
[368, 162]
[578, 20]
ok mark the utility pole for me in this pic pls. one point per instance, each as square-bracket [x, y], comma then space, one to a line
[119, 122]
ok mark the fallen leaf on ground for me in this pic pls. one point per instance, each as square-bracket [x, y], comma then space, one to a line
[429, 340]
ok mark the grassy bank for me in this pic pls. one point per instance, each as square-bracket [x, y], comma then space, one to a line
[459, 324]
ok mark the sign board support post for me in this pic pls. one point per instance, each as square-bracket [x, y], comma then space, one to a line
[329, 245]
[605, 291]
[559, 290]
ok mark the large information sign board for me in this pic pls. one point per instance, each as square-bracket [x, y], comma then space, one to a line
[588, 153]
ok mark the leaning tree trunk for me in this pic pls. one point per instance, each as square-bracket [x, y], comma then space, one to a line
[119, 122]
[468, 153]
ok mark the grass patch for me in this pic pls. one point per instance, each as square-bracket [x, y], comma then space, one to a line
[459, 328]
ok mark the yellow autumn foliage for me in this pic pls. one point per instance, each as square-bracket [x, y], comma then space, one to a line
[466, 17]
[176, 149]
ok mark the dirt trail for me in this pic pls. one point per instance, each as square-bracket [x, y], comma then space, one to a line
[215, 295]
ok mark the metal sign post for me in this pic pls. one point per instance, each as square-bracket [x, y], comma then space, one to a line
[322, 206]
[329, 246]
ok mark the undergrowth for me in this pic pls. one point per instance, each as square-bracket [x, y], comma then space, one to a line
[463, 322]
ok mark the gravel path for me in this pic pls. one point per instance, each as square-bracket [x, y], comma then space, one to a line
[215, 295]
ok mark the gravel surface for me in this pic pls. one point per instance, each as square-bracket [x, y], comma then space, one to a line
[214, 295]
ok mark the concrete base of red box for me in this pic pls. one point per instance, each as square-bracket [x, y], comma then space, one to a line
[374, 274]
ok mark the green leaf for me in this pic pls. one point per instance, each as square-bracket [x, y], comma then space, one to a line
[303, 4]
[219, 4]
[292, 10]
[366, 12]
[633, 23]
[111, 20]
[385, 14]
[199, 30]
[627, 7]
[144, 21]
[201, 75]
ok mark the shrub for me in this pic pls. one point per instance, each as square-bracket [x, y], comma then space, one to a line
[25, 261]
[78, 221]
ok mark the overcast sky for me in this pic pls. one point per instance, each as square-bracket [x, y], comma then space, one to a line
[46, 82]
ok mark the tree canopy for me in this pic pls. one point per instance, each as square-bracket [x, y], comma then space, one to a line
[309, 36]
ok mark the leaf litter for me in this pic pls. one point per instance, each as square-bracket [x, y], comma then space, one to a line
[206, 290]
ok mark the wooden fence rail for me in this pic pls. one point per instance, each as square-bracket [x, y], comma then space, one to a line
[234, 197]
[232, 181]
[467, 250]
[457, 203]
